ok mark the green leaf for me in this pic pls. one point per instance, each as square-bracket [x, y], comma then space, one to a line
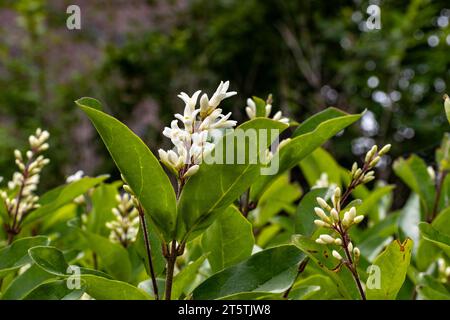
[54, 290]
[215, 186]
[255, 295]
[16, 255]
[51, 261]
[305, 216]
[159, 262]
[318, 287]
[393, 263]
[272, 270]
[101, 288]
[103, 201]
[185, 277]
[319, 162]
[314, 121]
[56, 198]
[321, 255]
[413, 172]
[260, 107]
[370, 204]
[228, 240]
[302, 145]
[113, 257]
[26, 282]
[431, 234]
[89, 102]
[141, 170]
[279, 196]
[431, 289]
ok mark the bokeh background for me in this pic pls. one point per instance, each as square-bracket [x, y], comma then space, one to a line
[137, 55]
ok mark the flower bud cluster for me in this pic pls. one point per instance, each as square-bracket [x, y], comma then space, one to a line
[373, 157]
[124, 228]
[331, 217]
[250, 109]
[201, 128]
[21, 197]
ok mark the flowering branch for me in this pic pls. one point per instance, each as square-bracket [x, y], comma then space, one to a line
[24, 182]
[341, 223]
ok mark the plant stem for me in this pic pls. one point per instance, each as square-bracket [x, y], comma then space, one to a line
[350, 264]
[301, 268]
[439, 184]
[149, 252]
[244, 203]
[171, 259]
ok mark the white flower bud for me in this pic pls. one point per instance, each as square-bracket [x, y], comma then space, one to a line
[356, 252]
[323, 203]
[358, 219]
[192, 170]
[321, 223]
[320, 241]
[321, 214]
[354, 168]
[374, 162]
[336, 255]
[338, 241]
[327, 238]
[334, 214]
[384, 150]
[350, 247]
[371, 153]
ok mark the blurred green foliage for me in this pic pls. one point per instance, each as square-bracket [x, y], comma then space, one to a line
[309, 54]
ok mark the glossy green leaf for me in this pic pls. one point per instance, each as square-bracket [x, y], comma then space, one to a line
[305, 216]
[15, 255]
[432, 289]
[314, 121]
[302, 145]
[140, 168]
[56, 198]
[228, 240]
[54, 290]
[321, 162]
[272, 270]
[26, 282]
[113, 257]
[101, 288]
[318, 287]
[103, 201]
[413, 172]
[215, 186]
[321, 255]
[51, 261]
[393, 263]
[185, 277]
[279, 196]
[430, 233]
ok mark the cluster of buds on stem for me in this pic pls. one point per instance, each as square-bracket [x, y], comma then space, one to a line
[201, 129]
[21, 197]
[124, 228]
[250, 109]
[366, 174]
[331, 217]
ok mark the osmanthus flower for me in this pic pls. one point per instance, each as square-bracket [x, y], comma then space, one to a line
[250, 109]
[195, 132]
[124, 228]
[20, 199]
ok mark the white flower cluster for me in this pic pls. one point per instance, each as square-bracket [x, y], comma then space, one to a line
[21, 198]
[124, 228]
[338, 223]
[250, 109]
[200, 125]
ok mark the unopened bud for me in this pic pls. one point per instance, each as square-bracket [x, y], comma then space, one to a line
[358, 219]
[371, 153]
[334, 214]
[447, 106]
[323, 203]
[321, 223]
[327, 238]
[192, 170]
[321, 214]
[336, 255]
[374, 162]
[356, 252]
[384, 150]
[338, 242]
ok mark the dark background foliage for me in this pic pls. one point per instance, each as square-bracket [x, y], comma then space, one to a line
[135, 56]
